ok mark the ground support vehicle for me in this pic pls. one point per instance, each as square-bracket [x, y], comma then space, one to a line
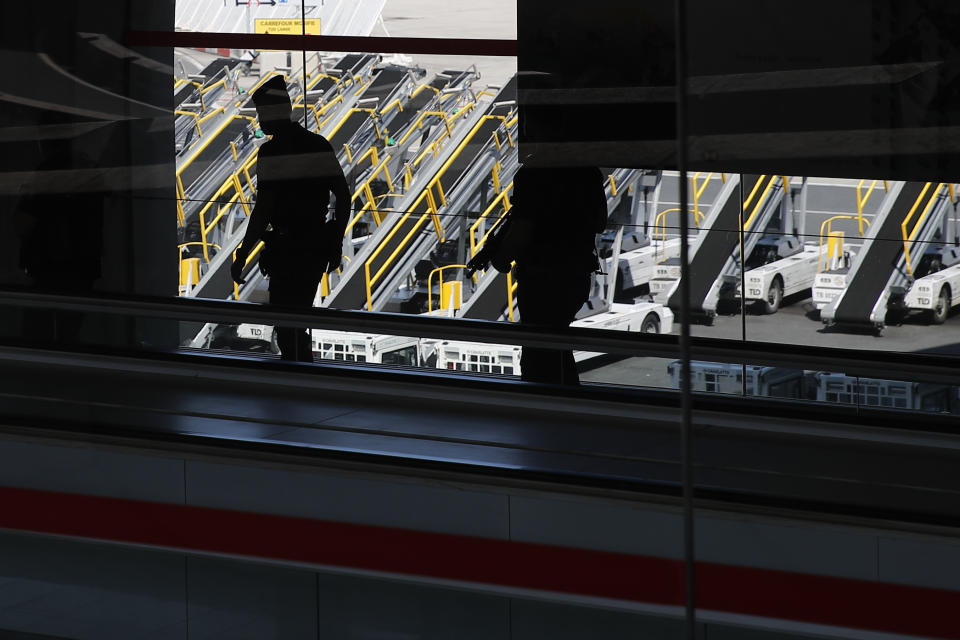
[909, 220]
[779, 266]
[939, 290]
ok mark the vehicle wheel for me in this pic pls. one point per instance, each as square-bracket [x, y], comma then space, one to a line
[774, 297]
[651, 324]
[942, 310]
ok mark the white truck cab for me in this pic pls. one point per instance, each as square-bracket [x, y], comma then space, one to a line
[936, 289]
[779, 266]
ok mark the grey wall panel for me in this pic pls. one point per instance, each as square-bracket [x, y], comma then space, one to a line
[803, 548]
[364, 609]
[81, 590]
[596, 525]
[239, 601]
[385, 502]
[91, 471]
[920, 562]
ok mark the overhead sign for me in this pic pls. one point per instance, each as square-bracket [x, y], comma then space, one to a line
[287, 26]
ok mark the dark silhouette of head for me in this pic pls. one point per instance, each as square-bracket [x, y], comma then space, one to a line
[273, 105]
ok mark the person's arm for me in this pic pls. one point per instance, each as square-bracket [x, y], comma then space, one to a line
[256, 227]
[341, 214]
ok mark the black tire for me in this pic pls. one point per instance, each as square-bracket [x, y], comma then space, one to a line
[774, 297]
[651, 324]
[942, 310]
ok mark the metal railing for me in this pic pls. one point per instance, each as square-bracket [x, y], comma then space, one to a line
[439, 271]
[435, 198]
[862, 199]
[920, 367]
[832, 240]
[908, 233]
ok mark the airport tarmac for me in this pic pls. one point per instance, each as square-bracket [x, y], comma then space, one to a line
[495, 19]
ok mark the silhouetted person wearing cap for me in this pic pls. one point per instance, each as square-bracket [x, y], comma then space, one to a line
[296, 172]
[550, 234]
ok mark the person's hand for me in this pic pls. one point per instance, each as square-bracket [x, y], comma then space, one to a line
[478, 262]
[236, 269]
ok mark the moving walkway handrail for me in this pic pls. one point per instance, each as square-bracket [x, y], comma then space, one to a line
[921, 367]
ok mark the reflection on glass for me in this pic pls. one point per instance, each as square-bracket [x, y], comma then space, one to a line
[820, 386]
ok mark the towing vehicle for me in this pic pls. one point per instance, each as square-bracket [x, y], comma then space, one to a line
[937, 287]
[779, 266]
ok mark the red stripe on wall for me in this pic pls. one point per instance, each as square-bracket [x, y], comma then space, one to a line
[422, 46]
[757, 592]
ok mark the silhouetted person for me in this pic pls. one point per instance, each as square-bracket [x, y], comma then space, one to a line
[550, 234]
[296, 172]
[60, 224]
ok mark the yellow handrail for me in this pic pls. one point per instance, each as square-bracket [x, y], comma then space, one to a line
[501, 197]
[439, 270]
[909, 237]
[826, 229]
[660, 222]
[762, 199]
[346, 117]
[862, 200]
[698, 189]
[233, 182]
[196, 119]
[511, 290]
[219, 83]
[431, 212]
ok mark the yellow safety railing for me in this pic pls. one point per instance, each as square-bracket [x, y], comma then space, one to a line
[910, 235]
[761, 201]
[502, 198]
[196, 119]
[434, 147]
[660, 230]
[239, 195]
[418, 124]
[511, 293]
[862, 199]
[219, 83]
[440, 271]
[206, 140]
[698, 188]
[366, 190]
[347, 116]
[826, 233]
[435, 198]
